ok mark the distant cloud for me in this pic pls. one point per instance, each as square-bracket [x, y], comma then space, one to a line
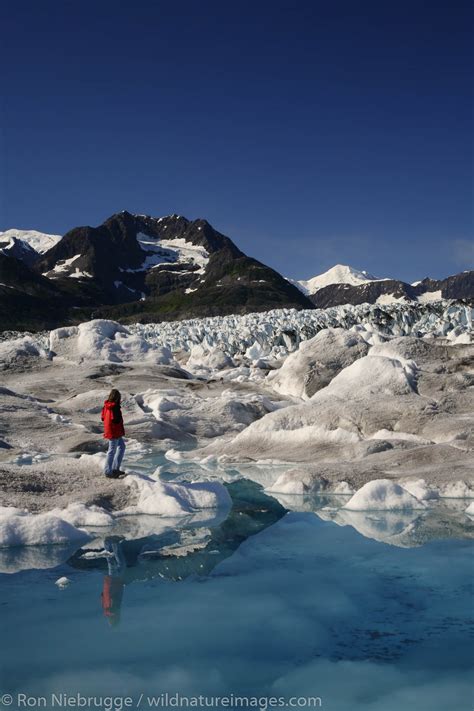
[463, 254]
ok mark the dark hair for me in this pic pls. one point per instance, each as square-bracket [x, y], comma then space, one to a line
[114, 396]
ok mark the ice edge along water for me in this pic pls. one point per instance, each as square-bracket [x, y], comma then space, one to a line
[73, 524]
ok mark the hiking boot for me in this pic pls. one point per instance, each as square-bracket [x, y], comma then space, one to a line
[118, 473]
[111, 475]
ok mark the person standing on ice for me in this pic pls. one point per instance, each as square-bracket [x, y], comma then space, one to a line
[113, 431]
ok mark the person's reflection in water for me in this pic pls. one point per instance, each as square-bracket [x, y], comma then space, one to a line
[177, 554]
[112, 590]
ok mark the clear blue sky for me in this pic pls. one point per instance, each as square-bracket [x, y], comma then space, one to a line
[310, 132]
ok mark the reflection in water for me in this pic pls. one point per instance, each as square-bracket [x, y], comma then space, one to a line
[18, 558]
[444, 519]
[177, 554]
[297, 606]
[406, 529]
[112, 590]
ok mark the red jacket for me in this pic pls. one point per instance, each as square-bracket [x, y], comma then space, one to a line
[113, 420]
[112, 598]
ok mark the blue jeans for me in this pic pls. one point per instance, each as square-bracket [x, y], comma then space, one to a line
[114, 455]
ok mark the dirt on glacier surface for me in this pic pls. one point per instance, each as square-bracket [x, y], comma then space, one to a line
[348, 405]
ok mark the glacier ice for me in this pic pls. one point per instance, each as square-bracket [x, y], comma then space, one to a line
[20, 528]
[269, 335]
[168, 499]
[382, 495]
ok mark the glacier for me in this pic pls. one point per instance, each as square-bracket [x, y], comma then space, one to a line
[274, 334]
[269, 334]
[302, 402]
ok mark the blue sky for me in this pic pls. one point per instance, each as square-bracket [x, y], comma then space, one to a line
[309, 132]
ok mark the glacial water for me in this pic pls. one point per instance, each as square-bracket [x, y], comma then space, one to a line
[265, 606]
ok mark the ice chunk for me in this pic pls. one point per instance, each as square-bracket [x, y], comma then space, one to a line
[317, 361]
[19, 528]
[167, 499]
[213, 359]
[383, 495]
[81, 515]
[457, 490]
[420, 489]
[27, 346]
[106, 341]
[376, 375]
[15, 559]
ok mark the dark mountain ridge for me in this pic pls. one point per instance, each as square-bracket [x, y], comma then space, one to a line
[137, 267]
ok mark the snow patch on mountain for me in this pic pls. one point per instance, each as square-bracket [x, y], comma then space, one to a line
[170, 251]
[64, 268]
[64, 264]
[188, 252]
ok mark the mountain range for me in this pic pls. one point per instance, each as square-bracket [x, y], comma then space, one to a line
[344, 285]
[142, 268]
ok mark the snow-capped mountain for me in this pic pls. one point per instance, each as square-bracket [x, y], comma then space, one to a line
[26, 245]
[387, 291]
[343, 284]
[339, 274]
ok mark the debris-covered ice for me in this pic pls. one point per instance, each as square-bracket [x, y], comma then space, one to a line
[301, 402]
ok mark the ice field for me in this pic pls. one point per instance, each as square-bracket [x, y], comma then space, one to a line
[298, 508]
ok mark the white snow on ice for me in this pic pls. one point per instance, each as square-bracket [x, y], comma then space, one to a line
[105, 341]
[19, 528]
[382, 495]
[169, 499]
